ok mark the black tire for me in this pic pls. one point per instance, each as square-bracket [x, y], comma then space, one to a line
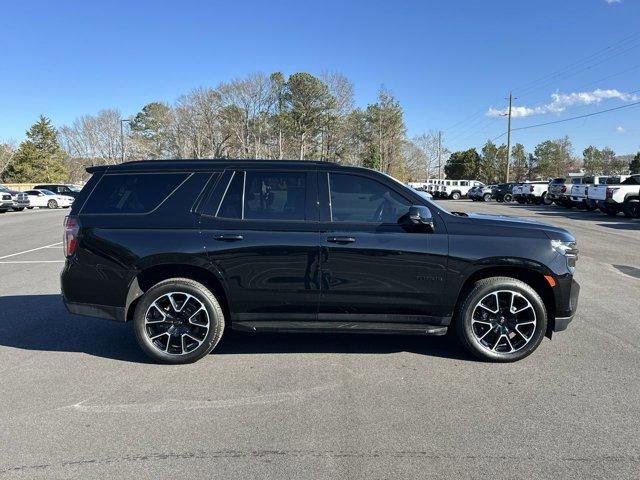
[179, 286]
[545, 200]
[29, 208]
[568, 204]
[612, 212]
[486, 197]
[455, 196]
[52, 204]
[591, 206]
[469, 338]
[631, 208]
[18, 209]
[508, 198]
[520, 201]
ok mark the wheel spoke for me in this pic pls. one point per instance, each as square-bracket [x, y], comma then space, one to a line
[159, 310]
[526, 339]
[493, 349]
[486, 333]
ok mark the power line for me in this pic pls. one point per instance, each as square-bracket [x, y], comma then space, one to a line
[569, 119]
[606, 51]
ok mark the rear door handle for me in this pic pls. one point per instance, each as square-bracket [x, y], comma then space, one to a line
[341, 239]
[228, 237]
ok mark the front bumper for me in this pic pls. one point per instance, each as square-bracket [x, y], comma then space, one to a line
[566, 296]
[6, 204]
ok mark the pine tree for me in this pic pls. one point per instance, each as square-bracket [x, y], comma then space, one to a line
[39, 158]
[634, 166]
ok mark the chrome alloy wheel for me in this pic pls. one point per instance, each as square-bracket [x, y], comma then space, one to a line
[503, 321]
[176, 323]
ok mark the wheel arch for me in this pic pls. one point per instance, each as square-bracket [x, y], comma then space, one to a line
[532, 276]
[151, 275]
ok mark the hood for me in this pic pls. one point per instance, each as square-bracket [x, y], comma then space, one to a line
[505, 221]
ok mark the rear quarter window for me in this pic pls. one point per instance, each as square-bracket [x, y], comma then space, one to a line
[132, 193]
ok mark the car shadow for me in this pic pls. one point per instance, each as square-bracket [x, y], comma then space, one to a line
[622, 226]
[41, 322]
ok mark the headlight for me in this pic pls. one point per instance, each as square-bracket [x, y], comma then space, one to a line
[568, 249]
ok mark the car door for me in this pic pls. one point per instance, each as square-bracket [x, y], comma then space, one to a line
[373, 267]
[36, 198]
[260, 231]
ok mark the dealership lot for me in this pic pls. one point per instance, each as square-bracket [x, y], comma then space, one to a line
[79, 398]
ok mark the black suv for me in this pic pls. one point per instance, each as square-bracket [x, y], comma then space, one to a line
[186, 249]
[503, 192]
[60, 189]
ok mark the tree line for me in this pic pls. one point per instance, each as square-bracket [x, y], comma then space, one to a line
[301, 116]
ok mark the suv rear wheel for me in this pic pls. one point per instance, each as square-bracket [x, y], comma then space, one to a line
[501, 319]
[455, 196]
[178, 321]
[52, 204]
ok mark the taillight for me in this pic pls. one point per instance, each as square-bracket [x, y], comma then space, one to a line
[70, 235]
[531, 188]
[564, 189]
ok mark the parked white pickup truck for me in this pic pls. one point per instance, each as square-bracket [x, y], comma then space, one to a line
[597, 194]
[624, 198]
[537, 192]
[579, 191]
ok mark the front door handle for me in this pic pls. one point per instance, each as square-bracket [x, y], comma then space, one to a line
[341, 239]
[228, 237]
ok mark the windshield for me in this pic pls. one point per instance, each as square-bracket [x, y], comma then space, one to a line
[4, 189]
[634, 180]
[74, 188]
[47, 192]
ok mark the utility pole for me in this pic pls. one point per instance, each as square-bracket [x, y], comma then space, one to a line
[439, 150]
[122, 137]
[509, 137]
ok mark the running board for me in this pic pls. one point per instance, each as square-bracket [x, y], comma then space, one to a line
[339, 327]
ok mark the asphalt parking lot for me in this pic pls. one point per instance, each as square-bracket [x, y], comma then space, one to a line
[79, 399]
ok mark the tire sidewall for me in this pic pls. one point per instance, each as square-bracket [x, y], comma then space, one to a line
[52, 204]
[482, 289]
[216, 320]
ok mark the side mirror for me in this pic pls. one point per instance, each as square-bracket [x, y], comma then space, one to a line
[419, 215]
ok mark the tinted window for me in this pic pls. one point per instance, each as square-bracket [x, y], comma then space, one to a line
[360, 199]
[275, 196]
[231, 206]
[132, 193]
[267, 196]
[634, 180]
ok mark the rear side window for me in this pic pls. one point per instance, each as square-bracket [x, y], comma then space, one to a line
[265, 195]
[132, 193]
[360, 199]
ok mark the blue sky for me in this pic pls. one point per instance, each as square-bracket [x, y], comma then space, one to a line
[446, 61]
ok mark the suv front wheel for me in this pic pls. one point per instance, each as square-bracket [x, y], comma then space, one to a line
[501, 319]
[178, 321]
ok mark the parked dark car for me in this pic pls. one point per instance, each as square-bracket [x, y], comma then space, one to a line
[502, 192]
[59, 189]
[185, 249]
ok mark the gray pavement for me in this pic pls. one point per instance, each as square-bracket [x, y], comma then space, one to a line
[79, 400]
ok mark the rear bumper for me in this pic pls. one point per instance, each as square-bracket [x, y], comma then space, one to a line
[6, 204]
[100, 311]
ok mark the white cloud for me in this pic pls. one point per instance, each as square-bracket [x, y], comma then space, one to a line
[611, 2]
[561, 101]
[620, 129]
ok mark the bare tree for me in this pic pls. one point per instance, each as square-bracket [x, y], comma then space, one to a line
[94, 138]
[7, 152]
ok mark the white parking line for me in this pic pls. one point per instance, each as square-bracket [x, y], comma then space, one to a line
[31, 250]
[32, 261]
